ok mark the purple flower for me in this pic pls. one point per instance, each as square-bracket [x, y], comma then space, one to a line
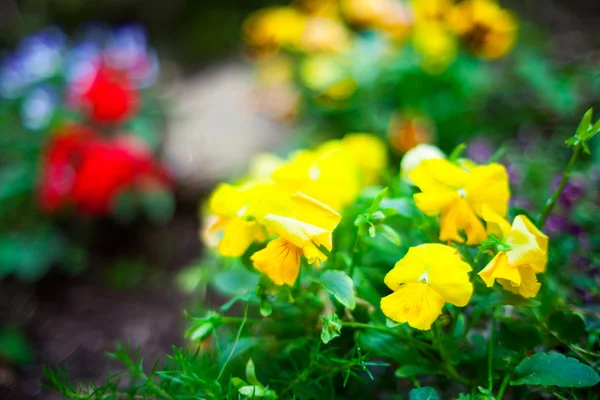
[39, 107]
[41, 55]
[555, 225]
[479, 150]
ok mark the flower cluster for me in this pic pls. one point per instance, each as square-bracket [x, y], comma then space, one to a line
[471, 202]
[83, 100]
[434, 26]
[99, 75]
[80, 168]
[293, 204]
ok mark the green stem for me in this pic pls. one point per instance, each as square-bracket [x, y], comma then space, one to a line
[503, 386]
[237, 339]
[552, 200]
[491, 350]
[447, 365]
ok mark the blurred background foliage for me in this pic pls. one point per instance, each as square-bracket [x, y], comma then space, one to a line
[193, 32]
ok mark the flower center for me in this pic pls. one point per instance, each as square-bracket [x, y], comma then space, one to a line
[462, 193]
[242, 211]
[314, 173]
[425, 277]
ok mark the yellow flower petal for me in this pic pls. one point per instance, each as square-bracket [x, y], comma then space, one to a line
[540, 237]
[495, 223]
[526, 249]
[461, 217]
[499, 268]
[439, 266]
[239, 235]
[280, 261]
[434, 203]
[529, 286]
[369, 152]
[312, 211]
[439, 175]
[226, 201]
[415, 303]
[297, 232]
[488, 184]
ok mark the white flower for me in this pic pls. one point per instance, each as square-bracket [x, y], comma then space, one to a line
[415, 156]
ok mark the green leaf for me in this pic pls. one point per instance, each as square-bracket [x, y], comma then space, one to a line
[340, 286]
[458, 150]
[567, 325]
[390, 234]
[518, 335]
[425, 393]
[585, 124]
[332, 328]
[256, 392]
[554, 369]
[377, 201]
[408, 371]
[251, 373]
[14, 347]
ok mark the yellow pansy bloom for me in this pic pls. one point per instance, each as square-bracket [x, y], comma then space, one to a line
[458, 196]
[436, 44]
[368, 152]
[327, 175]
[325, 35]
[302, 227]
[268, 29]
[228, 205]
[486, 28]
[516, 269]
[431, 10]
[321, 8]
[328, 76]
[426, 278]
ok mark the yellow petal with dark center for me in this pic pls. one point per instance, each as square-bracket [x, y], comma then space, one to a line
[280, 261]
[415, 303]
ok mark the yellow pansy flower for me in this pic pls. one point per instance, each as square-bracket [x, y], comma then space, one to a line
[368, 152]
[326, 174]
[436, 44]
[486, 28]
[325, 35]
[459, 195]
[431, 10]
[426, 278]
[516, 268]
[268, 29]
[328, 76]
[415, 156]
[390, 16]
[230, 225]
[302, 227]
[321, 8]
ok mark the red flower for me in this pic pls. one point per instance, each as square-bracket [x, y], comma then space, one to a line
[82, 169]
[108, 169]
[110, 97]
[64, 153]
